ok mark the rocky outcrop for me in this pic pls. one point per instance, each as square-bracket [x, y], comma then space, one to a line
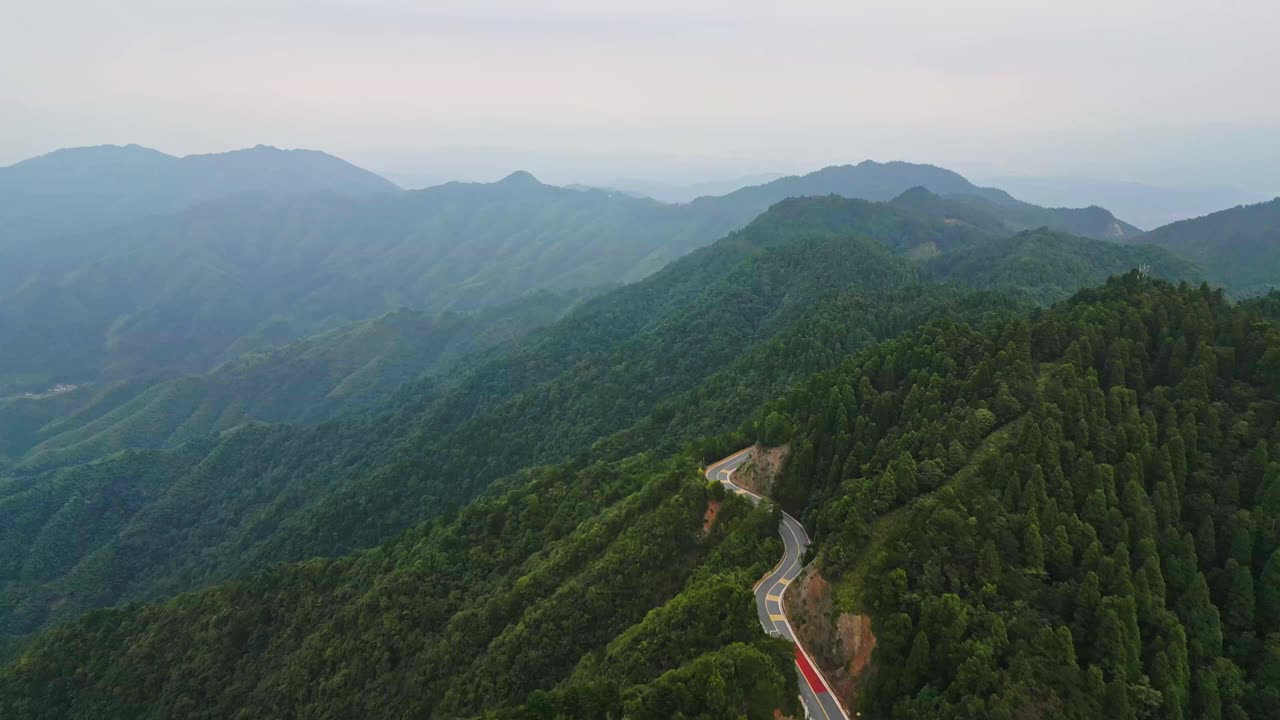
[841, 643]
[761, 472]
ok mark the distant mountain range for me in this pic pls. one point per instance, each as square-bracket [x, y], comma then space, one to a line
[871, 180]
[267, 246]
[190, 290]
[92, 188]
[680, 193]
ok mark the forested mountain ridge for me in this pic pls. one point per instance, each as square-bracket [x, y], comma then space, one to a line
[1020, 561]
[268, 495]
[632, 358]
[605, 591]
[1267, 306]
[223, 274]
[870, 180]
[1070, 515]
[1238, 247]
[1051, 265]
[351, 369]
[77, 190]
[193, 290]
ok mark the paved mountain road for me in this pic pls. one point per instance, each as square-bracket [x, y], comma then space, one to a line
[818, 699]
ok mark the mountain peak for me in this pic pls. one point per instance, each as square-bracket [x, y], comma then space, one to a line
[102, 154]
[916, 193]
[520, 177]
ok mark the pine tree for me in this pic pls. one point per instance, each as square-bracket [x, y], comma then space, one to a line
[1112, 653]
[1033, 547]
[1207, 699]
[1066, 646]
[989, 566]
[1206, 543]
[1238, 615]
[1268, 593]
[1118, 706]
[906, 477]
[916, 670]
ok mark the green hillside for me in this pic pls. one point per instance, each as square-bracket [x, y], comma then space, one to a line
[272, 493]
[661, 363]
[1239, 248]
[1071, 515]
[190, 291]
[577, 582]
[1080, 506]
[1051, 265]
[1267, 306]
[344, 371]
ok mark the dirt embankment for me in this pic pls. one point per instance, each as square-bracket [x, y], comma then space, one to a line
[841, 643]
[710, 515]
[761, 471]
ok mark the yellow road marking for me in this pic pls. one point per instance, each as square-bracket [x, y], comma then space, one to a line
[773, 597]
[784, 581]
[777, 617]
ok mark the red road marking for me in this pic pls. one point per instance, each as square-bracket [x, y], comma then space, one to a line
[810, 675]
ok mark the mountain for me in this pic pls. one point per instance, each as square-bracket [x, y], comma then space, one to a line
[344, 371]
[1051, 265]
[188, 291]
[262, 494]
[1071, 514]
[683, 193]
[871, 180]
[1238, 248]
[1070, 510]
[622, 585]
[1092, 222]
[78, 190]
[681, 355]
[1145, 205]
[868, 180]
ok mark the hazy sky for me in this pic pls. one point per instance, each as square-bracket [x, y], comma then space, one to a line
[1183, 90]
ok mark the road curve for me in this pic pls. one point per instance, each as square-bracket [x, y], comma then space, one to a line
[816, 693]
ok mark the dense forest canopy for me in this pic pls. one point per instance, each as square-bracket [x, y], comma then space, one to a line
[1071, 516]
[649, 365]
[594, 591]
[1050, 265]
[349, 370]
[1064, 514]
[265, 494]
[360, 460]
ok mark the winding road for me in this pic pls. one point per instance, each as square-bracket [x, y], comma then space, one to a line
[816, 693]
